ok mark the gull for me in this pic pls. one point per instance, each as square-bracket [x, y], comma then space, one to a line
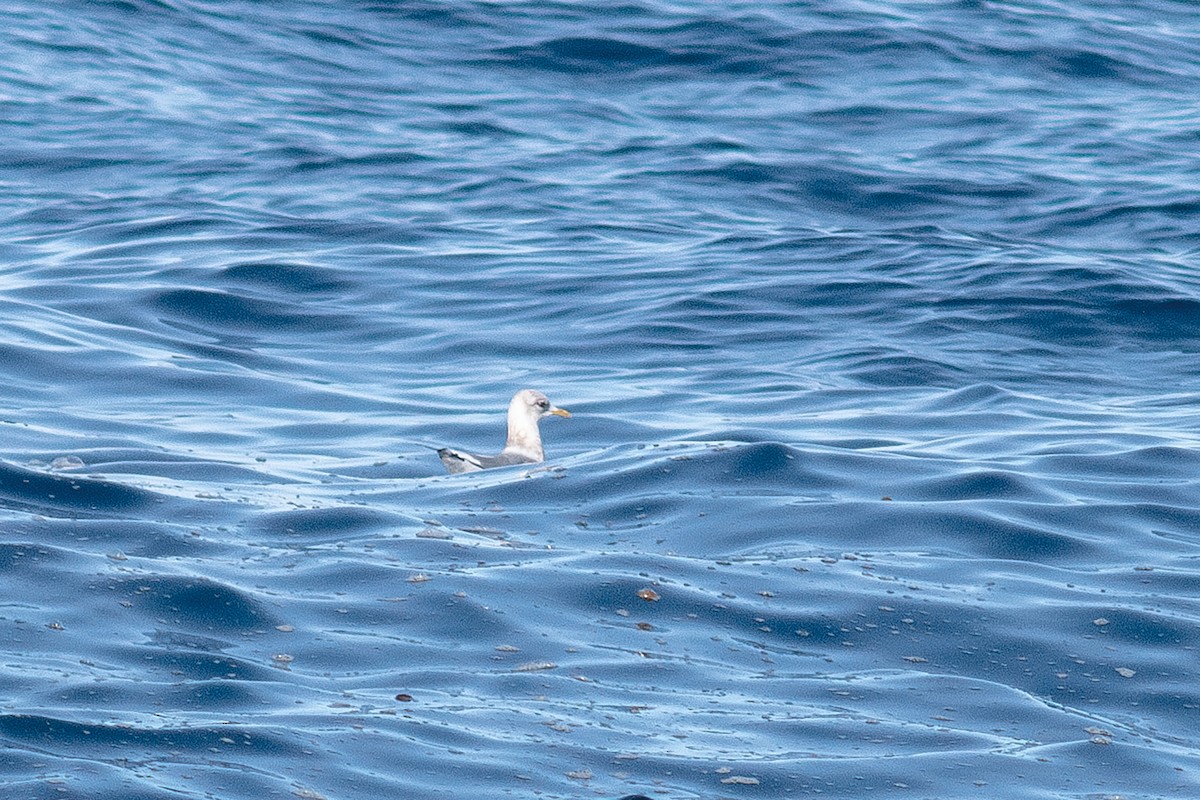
[524, 444]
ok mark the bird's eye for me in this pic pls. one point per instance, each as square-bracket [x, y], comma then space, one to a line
[543, 404]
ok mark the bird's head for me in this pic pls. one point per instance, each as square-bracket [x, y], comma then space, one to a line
[537, 405]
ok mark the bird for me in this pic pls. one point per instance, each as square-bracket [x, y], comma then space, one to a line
[524, 444]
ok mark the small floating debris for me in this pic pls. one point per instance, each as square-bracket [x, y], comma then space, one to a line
[1126, 672]
[742, 780]
[283, 658]
[404, 697]
[481, 530]
[580, 775]
[308, 794]
[536, 666]
[434, 533]
[649, 595]
[420, 577]
[66, 462]
[1100, 622]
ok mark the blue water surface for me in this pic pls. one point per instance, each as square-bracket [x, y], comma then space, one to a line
[879, 324]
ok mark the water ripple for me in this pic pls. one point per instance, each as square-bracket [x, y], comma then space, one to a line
[877, 325]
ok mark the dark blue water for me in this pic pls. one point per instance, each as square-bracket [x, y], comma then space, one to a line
[879, 322]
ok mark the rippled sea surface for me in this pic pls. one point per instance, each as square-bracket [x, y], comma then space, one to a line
[879, 324]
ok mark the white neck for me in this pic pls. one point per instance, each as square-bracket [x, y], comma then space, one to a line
[523, 434]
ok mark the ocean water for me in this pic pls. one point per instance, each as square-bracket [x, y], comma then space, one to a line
[879, 324]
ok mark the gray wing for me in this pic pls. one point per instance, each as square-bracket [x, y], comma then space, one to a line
[457, 461]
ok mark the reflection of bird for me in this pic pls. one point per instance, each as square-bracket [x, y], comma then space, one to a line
[524, 445]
